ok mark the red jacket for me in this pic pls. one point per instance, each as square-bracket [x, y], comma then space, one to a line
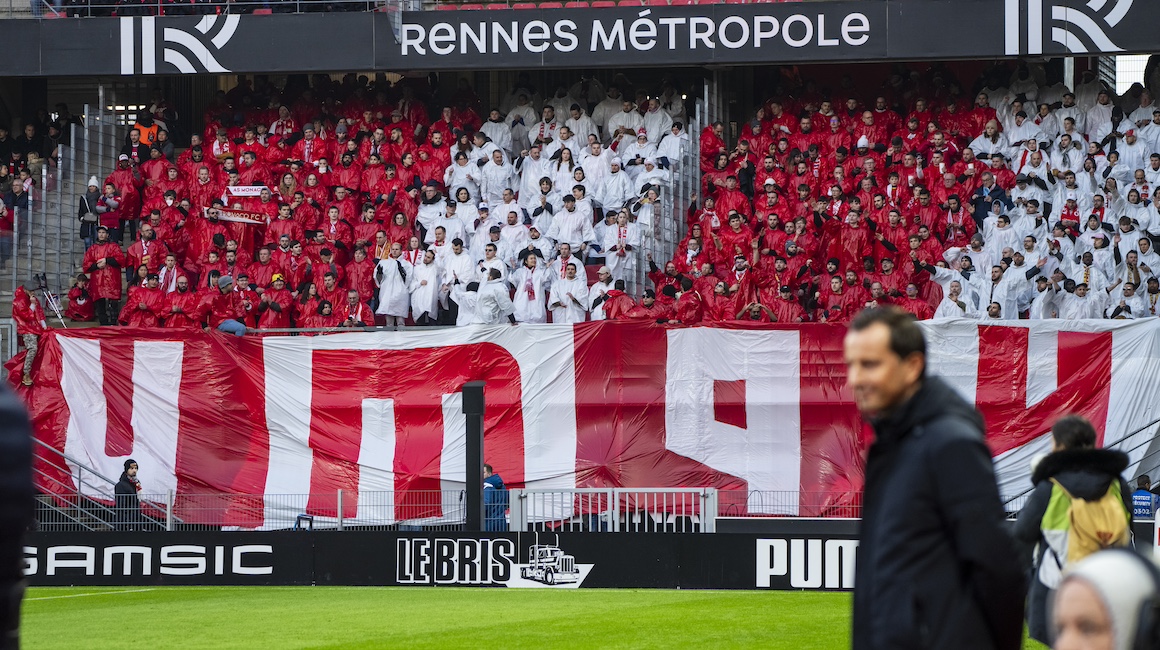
[617, 306]
[28, 314]
[104, 282]
[186, 314]
[219, 307]
[275, 314]
[151, 254]
[134, 314]
[360, 277]
[690, 308]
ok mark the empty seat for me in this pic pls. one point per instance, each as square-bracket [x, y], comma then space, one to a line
[629, 3]
[576, 4]
[263, 12]
[469, 7]
[551, 5]
[524, 5]
[603, 3]
[658, 3]
[497, 6]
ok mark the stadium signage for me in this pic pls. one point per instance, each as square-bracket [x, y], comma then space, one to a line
[446, 561]
[808, 563]
[137, 560]
[690, 35]
[642, 34]
[494, 562]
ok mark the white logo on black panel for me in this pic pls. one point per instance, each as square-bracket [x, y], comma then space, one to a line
[189, 53]
[1081, 28]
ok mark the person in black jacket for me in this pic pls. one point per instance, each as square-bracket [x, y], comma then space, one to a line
[16, 511]
[1086, 473]
[936, 567]
[128, 503]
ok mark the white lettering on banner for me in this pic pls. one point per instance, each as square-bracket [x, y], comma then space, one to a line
[766, 452]
[446, 561]
[87, 561]
[156, 378]
[376, 459]
[547, 380]
[246, 190]
[127, 553]
[642, 34]
[809, 563]
[182, 560]
[31, 563]
[175, 559]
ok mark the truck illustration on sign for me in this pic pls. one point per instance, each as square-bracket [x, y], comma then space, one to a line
[549, 565]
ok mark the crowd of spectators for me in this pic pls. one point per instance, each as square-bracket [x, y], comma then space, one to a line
[342, 205]
[1021, 200]
[345, 204]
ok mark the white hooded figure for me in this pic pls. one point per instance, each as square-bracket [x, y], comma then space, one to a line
[673, 146]
[580, 124]
[651, 174]
[531, 281]
[498, 131]
[425, 282]
[465, 296]
[568, 298]
[493, 305]
[657, 121]
[635, 153]
[496, 176]
[617, 190]
[391, 276]
[519, 119]
[598, 290]
[461, 173]
[621, 247]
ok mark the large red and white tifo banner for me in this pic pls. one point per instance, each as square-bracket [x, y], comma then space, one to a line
[750, 410]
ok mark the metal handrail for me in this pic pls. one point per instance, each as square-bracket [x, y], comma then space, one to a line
[1114, 445]
[69, 459]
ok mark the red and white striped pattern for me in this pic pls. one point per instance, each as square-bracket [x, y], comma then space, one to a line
[592, 405]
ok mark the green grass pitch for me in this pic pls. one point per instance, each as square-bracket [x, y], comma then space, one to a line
[287, 618]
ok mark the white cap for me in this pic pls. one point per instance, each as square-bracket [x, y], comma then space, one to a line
[617, 161]
[604, 269]
[770, 181]
[650, 161]
[863, 142]
[93, 182]
[1070, 196]
[1123, 584]
[123, 156]
[484, 206]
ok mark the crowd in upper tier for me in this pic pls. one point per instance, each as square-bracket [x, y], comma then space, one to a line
[343, 203]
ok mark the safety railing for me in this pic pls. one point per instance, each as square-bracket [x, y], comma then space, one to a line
[614, 510]
[1142, 446]
[9, 344]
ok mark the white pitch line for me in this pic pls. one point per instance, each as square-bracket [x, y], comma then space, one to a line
[96, 593]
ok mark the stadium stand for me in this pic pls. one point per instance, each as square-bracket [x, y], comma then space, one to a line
[1023, 200]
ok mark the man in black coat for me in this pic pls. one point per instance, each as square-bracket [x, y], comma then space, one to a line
[16, 511]
[128, 503]
[936, 567]
[1086, 473]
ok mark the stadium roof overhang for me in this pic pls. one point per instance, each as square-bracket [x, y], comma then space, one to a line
[646, 36]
